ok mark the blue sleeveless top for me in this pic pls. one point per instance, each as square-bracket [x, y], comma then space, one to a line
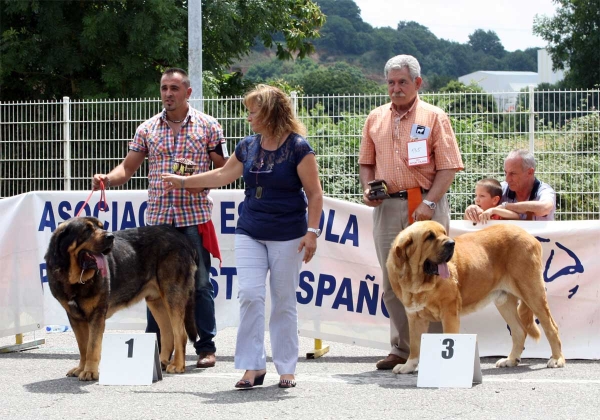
[274, 208]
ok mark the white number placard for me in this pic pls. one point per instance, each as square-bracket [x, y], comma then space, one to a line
[449, 361]
[129, 359]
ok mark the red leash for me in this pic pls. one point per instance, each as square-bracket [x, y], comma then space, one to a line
[102, 202]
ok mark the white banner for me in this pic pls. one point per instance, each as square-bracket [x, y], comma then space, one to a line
[340, 294]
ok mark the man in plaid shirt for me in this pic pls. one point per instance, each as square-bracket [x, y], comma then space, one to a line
[179, 133]
[410, 145]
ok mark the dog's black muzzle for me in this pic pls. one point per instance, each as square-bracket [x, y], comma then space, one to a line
[447, 251]
[109, 240]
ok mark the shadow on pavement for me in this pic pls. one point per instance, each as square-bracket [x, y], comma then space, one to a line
[62, 385]
[269, 393]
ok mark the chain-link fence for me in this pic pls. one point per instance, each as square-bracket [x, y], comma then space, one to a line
[59, 145]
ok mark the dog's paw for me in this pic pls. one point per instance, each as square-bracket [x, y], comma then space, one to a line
[89, 375]
[409, 367]
[74, 373]
[507, 362]
[556, 363]
[174, 369]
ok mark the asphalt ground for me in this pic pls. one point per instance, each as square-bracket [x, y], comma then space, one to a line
[343, 384]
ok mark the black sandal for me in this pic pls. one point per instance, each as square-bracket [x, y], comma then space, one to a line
[246, 384]
[287, 383]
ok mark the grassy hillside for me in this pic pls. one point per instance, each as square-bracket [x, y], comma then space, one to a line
[346, 38]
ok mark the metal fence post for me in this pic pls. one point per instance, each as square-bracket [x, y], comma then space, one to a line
[294, 96]
[531, 120]
[67, 141]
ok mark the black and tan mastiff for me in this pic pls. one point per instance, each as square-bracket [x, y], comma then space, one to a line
[94, 273]
[440, 279]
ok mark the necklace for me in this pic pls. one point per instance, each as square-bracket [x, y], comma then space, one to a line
[278, 142]
[262, 155]
[173, 121]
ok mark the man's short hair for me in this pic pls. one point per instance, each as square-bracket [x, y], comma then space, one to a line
[527, 158]
[399, 62]
[184, 79]
[491, 185]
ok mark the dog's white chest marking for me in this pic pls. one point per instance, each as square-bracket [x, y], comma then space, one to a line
[415, 307]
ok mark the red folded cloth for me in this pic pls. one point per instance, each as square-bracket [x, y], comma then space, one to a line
[209, 240]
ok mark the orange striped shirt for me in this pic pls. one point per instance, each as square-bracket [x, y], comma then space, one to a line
[385, 144]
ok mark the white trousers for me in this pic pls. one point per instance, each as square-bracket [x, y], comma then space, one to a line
[253, 259]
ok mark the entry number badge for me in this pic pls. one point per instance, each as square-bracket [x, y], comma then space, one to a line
[418, 154]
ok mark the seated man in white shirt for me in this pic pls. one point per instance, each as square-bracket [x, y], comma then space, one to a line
[522, 192]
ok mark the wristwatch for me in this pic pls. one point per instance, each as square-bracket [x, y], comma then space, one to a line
[430, 204]
[315, 231]
[504, 204]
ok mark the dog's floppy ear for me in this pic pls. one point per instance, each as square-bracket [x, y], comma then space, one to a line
[401, 246]
[57, 255]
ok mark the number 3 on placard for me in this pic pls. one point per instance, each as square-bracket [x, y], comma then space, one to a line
[449, 352]
[130, 348]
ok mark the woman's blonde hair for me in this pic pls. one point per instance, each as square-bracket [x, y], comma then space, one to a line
[274, 110]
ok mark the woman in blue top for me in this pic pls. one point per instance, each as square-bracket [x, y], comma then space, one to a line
[282, 180]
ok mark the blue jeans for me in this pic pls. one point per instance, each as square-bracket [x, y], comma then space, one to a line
[204, 312]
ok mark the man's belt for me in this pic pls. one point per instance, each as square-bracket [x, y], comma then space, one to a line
[403, 195]
[414, 197]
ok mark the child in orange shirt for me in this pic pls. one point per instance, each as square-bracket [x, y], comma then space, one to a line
[488, 193]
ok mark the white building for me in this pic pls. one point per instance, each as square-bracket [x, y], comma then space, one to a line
[505, 86]
[545, 69]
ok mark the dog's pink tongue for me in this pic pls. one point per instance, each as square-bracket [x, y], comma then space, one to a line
[101, 263]
[443, 271]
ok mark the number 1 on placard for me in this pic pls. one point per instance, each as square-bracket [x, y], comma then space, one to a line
[449, 352]
[129, 348]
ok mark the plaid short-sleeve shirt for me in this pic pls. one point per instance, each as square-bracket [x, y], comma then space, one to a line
[385, 140]
[199, 134]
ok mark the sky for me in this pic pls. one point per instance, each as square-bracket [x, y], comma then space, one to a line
[455, 20]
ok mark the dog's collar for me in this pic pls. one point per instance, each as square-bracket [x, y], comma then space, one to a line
[101, 268]
[81, 281]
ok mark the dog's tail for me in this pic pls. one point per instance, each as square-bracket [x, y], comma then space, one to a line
[527, 318]
[189, 321]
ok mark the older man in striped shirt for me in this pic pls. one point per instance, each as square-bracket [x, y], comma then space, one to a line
[411, 146]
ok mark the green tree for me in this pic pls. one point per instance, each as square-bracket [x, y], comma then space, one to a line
[555, 108]
[519, 61]
[339, 34]
[341, 78]
[573, 37]
[346, 9]
[470, 102]
[435, 82]
[389, 42]
[277, 69]
[458, 60]
[231, 27]
[487, 42]
[422, 38]
[117, 48]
